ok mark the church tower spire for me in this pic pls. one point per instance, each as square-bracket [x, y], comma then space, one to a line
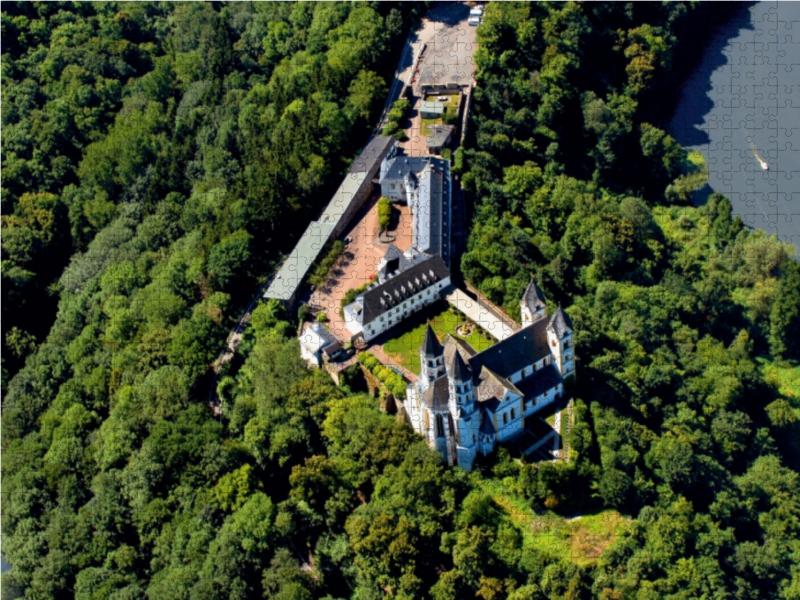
[532, 305]
[431, 357]
[559, 338]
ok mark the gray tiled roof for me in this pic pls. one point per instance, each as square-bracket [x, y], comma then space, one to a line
[439, 135]
[373, 153]
[519, 350]
[560, 323]
[458, 369]
[399, 166]
[432, 345]
[402, 286]
[453, 344]
[492, 388]
[539, 382]
[533, 297]
[437, 394]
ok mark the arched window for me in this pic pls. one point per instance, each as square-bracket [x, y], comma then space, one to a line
[513, 413]
[505, 418]
[546, 361]
[439, 426]
[473, 438]
[524, 372]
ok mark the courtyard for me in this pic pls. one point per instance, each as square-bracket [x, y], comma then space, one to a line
[403, 350]
[359, 264]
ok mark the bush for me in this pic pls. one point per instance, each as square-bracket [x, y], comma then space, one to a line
[320, 272]
[384, 213]
[302, 312]
[322, 318]
[393, 382]
[446, 153]
[391, 129]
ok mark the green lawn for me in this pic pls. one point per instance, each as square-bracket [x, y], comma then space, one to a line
[427, 125]
[451, 106]
[405, 348]
[580, 541]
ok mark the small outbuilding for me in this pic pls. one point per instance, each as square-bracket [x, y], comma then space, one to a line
[439, 138]
[317, 341]
[431, 110]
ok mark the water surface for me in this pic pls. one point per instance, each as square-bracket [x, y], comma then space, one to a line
[743, 99]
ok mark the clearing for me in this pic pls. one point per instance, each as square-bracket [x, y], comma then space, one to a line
[580, 540]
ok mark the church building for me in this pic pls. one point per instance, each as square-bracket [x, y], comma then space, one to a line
[466, 402]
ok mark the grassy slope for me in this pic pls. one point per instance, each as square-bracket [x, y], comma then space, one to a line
[580, 540]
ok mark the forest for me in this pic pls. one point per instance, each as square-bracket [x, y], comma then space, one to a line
[158, 159]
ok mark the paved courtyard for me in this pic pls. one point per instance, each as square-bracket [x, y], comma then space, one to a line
[360, 261]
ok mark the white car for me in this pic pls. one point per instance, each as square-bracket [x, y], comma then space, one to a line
[474, 21]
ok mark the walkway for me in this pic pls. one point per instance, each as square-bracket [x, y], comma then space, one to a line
[473, 310]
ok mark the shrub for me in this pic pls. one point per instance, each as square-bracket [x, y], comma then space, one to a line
[391, 128]
[384, 213]
[302, 312]
[446, 153]
[322, 318]
[320, 272]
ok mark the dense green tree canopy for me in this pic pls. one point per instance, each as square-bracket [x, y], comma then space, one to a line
[158, 158]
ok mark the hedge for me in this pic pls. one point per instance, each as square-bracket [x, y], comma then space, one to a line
[388, 377]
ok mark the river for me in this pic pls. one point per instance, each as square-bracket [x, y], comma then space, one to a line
[743, 100]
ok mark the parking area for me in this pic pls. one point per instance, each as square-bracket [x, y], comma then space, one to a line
[451, 44]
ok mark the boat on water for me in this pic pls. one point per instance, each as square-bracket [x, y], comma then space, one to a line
[764, 164]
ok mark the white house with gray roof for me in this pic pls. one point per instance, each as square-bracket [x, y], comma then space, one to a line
[424, 183]
[414, 283]
[465, 402]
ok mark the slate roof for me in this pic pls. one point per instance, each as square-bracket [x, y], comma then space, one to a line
[399, 166]
[533, 297]
[458, 369]
[381, 298]
[560, 323]
[539, 382]
[439, 136]
[519, 350]
[491, 388]
[453, 344]
[437, 395]
[373, 153]
[394, 260]
[432, 345]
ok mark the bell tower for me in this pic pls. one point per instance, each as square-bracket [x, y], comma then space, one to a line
[431, 358]
[532, 305]
[560, 342]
